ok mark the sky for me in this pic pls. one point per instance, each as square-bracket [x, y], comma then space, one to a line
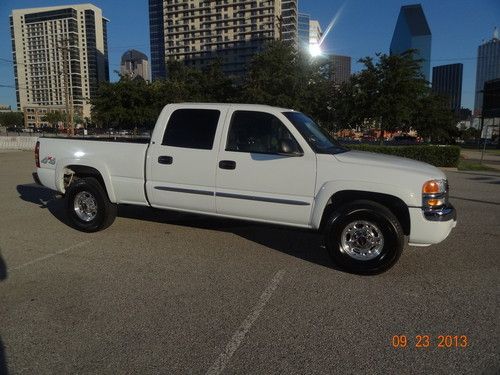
[363, 28]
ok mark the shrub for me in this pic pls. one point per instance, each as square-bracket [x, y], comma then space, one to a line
[439, 156]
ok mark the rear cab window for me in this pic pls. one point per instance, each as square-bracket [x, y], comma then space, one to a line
[192, 128]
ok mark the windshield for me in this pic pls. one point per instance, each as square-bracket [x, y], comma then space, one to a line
[319, 140]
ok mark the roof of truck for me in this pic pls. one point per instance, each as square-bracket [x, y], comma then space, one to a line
[239, 105]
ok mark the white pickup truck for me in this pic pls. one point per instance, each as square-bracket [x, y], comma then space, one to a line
[256, 163]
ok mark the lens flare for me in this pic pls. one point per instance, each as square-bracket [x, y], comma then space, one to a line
[315, 50]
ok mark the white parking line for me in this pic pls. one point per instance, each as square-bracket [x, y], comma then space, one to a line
[49, 255]
[221, 362]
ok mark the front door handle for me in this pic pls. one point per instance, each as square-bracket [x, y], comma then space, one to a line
[165, 159]
[227, 164]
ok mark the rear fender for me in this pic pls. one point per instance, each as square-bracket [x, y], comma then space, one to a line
[62, 169]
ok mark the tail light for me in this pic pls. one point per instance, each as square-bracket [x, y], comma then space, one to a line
[37, 154]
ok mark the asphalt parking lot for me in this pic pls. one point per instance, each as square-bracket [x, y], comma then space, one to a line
[162, 292]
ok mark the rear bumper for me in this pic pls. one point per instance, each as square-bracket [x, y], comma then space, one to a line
[431, 227]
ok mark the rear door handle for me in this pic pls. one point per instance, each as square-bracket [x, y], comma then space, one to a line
[165, 159]
[227, 164]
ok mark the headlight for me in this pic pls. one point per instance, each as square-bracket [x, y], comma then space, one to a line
[434, 194]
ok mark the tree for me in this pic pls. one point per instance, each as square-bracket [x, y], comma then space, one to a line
[388, 89]
[12, 119]
[54, 117]
[470, 133]
[432, 118]
[283, 77]
[125, 103]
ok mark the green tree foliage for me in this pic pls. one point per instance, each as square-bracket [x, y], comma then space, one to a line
[54, 117]
[433, 119]
[9, 119]
[131, 103]
[126, 103]
[389, 92]
[282, 77]
[386, 89]
[470, 133]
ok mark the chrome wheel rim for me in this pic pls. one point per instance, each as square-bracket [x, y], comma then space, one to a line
[362, 240]
[85, 206]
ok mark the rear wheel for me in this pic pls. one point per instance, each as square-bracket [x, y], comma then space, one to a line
[364, 237]
[88, 206]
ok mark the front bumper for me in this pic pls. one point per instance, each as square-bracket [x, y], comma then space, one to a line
[444, 214]
[431, 227]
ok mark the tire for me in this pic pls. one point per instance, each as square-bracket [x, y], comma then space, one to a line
[364, 237]
[88, 206]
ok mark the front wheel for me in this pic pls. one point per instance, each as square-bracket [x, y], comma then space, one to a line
[364, 237]
[88, 206]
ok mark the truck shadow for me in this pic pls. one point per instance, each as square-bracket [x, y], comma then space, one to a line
[3, 359]
[299, 243]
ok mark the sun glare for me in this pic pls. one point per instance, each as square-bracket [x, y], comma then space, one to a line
[315, 50]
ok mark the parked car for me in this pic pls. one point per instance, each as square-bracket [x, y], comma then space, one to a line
[257, 163]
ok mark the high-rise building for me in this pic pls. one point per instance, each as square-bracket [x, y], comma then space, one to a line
[198, 32]
[412, 32]
[289, 19]
[488, 67]
[341, 66]
[447, 81]
[491, 98]
[60, 55]
[135, 64]
[315, 32]
[303, 31]
[157, 39]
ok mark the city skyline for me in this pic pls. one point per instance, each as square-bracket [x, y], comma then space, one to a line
[458, 30]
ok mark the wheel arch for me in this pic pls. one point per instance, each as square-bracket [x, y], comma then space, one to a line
[395, 204]
[82, 169]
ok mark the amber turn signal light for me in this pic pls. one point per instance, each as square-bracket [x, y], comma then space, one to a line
[432, 187]
[435, 202]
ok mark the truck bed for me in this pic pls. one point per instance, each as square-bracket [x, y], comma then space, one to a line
[123, 139]
[122, 160]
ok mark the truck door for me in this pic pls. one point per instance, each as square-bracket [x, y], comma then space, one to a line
[255, 179]
[182, 163]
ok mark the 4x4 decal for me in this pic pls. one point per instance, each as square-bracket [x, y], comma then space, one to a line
[48, 159]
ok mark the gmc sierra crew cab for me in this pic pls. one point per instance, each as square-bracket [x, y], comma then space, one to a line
[258, 163]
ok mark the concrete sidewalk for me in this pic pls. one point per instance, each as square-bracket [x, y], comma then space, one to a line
[489, 159]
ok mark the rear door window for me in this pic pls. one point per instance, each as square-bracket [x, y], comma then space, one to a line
[192, 128]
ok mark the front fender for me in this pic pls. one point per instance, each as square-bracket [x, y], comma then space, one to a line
[84, 162]
[330, 188]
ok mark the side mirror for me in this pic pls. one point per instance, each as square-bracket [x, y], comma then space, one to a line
[287, 147]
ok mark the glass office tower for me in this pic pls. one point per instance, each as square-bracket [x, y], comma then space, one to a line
[412, 32]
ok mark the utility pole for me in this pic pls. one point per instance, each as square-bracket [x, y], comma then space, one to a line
[280, 26]
[64, 47]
